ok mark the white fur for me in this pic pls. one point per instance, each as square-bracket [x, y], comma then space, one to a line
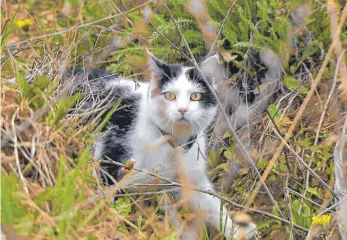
[169, 162]
[200, 118]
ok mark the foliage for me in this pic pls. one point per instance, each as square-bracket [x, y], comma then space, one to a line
[47, 181]
[301, 213]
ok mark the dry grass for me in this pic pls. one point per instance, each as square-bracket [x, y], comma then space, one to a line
[48, 184]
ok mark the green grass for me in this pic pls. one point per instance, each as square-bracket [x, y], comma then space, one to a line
[48, 183]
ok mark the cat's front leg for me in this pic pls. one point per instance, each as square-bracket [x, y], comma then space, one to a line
[210, 206]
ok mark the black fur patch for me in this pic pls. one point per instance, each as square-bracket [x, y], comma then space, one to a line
[207, 98]
[168, 73]
[115, 147]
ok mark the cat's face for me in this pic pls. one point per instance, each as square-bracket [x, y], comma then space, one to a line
[180, 101]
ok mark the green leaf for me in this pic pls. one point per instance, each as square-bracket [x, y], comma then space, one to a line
[262, 164]
[8, 187]
[291, 82]
[213, 157]
[12, 212]
[39, 101]
[41, 82]
[272, 178]
[38, 96]
[314, 191]
[266, 224]
[292, 69]
[302, 90]
[8, 30]
[62, 108]
[276, 213]
[301, 213]
[123, 206]
[227, 154]
[312, 48]
[273, 111]
[227, 134]
[45, 195]
[24, 86]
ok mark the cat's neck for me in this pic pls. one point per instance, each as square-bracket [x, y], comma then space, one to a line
[186, 141]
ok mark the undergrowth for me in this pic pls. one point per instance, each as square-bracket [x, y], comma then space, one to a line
[48, 184]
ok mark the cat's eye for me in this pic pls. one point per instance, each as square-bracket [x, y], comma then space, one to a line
[170, 96]
[195, 96]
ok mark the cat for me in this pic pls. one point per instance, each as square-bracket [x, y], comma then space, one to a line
[178, 103]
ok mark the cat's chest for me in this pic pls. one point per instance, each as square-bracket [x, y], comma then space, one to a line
[161, 158]
[152, 152]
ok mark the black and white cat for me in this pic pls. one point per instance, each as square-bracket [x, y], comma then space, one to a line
[176, 102]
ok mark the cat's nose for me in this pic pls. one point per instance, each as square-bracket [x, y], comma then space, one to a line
[182, 110]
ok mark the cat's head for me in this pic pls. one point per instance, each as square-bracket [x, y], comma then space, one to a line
[180, 101]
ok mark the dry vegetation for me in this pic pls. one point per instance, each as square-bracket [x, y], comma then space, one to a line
[48, 184]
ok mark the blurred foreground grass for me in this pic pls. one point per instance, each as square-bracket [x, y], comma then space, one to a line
[47, 186]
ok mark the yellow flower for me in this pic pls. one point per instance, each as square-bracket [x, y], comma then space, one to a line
[24, 23]
[323, 220]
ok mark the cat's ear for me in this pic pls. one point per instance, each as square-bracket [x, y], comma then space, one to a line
[214, 70]
[210, 65]
[157, 67]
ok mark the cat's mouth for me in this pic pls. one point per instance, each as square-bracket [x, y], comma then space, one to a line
[182, 128]
[183, 120]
